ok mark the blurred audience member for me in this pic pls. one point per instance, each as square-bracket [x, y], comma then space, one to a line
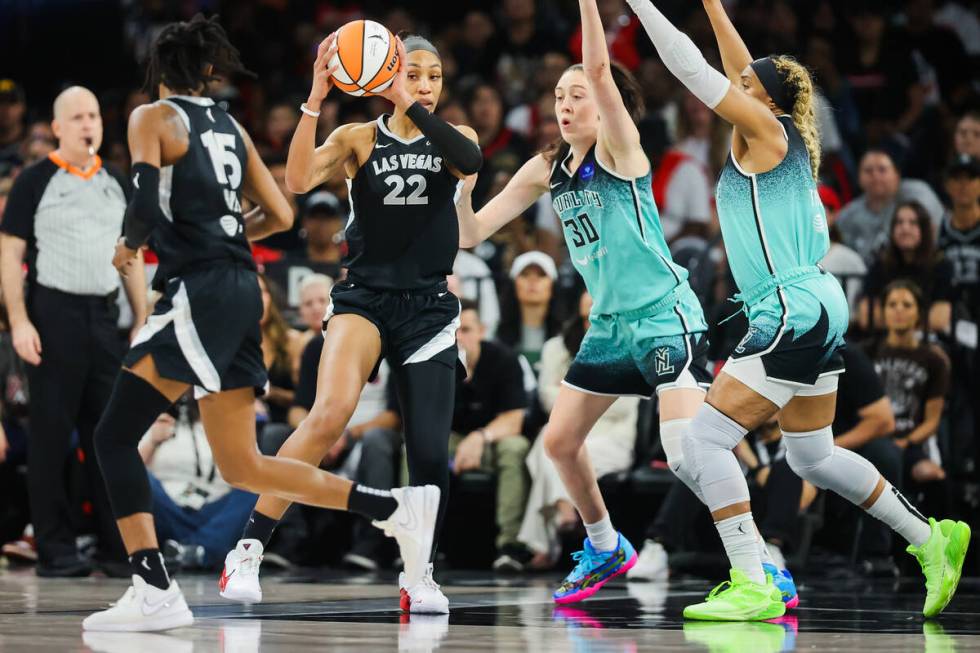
[910, 254]
[503, 148]
[314, 297]
[882, 74]
[916, 377]
[486, 431]
[475, 282]
[198, 516]
[863, 221]
[277, 341]
[682, 183]
[13, 107]
[529, 315]
[966, 138]
[959, 234]
[610, 445]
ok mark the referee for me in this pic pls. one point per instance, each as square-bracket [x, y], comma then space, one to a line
[65, 214]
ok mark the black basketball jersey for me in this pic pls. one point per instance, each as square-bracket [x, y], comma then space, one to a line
[200, 195]
[402, 233]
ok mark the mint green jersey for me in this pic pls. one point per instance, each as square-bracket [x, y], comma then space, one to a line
[775, 233]
[774, 220]
[614, 238]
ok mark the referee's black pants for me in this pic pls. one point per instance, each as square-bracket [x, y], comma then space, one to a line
[81, 352]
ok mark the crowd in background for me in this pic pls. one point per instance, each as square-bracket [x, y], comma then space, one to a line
[899, 119]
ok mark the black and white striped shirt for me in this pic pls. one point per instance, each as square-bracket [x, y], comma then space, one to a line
[71, 221]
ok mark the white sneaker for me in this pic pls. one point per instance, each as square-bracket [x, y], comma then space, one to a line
[422, 633]
[143, 608]
[652, 563]
[239, 579]
[425, 597]
[412, 525]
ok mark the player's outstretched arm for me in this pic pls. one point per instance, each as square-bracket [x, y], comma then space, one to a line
[307, 165]
[682, 58]
[734, 54]
[617, 131]
[260, 187]
[523, 190]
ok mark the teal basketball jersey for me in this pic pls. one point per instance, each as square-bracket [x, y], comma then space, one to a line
[614, 237]
[772, 221]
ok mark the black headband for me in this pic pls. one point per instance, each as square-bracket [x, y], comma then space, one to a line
[774, 81]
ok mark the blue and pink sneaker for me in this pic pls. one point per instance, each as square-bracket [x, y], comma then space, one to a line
[595, 569]
[783, 580]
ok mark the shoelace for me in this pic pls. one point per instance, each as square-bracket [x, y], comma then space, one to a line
[720, 589]
[429, 581]
[585, 562]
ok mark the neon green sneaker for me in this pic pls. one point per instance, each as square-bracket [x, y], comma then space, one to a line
[941, 558]
[739, 600]
[755, 636]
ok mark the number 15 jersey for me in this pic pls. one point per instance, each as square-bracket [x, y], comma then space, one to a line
[200, 194]
[614, 236]
[402, 232]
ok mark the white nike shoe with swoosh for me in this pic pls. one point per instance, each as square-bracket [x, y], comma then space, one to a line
[239, 580]
[425, 597]
[413, 525]
[143, 608]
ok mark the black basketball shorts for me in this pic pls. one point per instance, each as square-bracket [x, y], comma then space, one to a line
[205, 330]
[415, 325]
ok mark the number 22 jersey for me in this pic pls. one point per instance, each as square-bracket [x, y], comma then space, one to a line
[403, 231]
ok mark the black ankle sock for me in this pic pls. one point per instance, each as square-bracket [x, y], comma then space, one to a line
[374, 504]
[148, 565]
[259, 527]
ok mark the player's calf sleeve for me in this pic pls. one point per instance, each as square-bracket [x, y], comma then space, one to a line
[132, 409]
[672, 434]
[710, 461]
[815, 458]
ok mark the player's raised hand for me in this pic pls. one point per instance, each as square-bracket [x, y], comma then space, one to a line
[323, 71]
[397, 93]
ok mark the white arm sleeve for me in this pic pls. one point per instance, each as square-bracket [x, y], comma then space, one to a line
[680, 55]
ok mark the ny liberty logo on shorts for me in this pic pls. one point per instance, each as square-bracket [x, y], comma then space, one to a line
[662, 357]
[748, 336]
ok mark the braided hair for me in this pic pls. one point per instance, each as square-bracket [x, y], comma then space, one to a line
[182, 52]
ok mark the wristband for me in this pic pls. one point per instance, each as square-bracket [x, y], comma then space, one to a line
[486, 435]
[308, 111]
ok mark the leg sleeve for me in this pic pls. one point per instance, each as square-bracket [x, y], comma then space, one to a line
[426, 394]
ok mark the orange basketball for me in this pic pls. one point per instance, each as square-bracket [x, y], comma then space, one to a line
[367, 56]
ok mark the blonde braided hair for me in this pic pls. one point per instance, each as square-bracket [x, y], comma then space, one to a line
[803, 111]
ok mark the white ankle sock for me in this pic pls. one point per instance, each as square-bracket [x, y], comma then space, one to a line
[765, 555]
[741, 541]
[776, 557]
[602, 535]
[896, 511]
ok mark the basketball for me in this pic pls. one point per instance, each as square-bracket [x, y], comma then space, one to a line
[367, 58]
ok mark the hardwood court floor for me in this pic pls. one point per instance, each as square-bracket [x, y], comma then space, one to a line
[332, 611]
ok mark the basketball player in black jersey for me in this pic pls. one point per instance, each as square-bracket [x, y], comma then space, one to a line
[192, 165]
[404, 171]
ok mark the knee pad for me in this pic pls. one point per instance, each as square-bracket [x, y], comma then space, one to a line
[672, 434]
[709, 459]
[813, 456]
